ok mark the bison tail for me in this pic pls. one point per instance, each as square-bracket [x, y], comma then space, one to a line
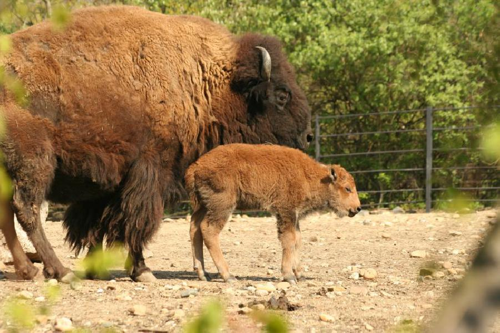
[135, 214]
[82, 224]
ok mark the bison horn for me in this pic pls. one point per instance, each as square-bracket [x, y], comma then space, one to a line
[265, 70]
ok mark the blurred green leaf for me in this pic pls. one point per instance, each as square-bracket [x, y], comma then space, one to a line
[18, 315]
[209, 320]
[60, 17]
[100, 261]
[491, 142]
[273, 322]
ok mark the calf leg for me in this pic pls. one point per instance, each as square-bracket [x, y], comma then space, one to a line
[287, 237]
[23, 265]
[197, 243]
[211, 227]
[297, 268]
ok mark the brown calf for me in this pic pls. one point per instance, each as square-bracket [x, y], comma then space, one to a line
[283, 181]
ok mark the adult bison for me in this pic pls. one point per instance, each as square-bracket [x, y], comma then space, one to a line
[120, 103]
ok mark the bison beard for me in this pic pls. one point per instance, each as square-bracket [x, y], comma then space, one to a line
[121, 103]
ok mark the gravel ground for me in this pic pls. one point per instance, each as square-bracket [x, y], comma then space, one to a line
[362, 274]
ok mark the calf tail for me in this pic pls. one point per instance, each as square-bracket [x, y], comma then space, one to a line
[189, 180]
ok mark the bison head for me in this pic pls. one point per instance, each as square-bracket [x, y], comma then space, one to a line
[277, 109]
[343, 197]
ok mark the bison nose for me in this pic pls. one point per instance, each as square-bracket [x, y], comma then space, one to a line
[358, 209]
[309, 138]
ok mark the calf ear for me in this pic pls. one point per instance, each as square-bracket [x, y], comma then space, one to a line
[333, 175]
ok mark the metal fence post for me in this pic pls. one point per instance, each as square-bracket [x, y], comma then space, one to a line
[316, 138]
[428, 160]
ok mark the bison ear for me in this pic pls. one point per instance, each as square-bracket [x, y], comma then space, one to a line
[265, 64]
[331, 178]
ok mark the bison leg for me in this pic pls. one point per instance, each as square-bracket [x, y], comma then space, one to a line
[24, 267]
[297, 268]
[139, 272]
[211, 227]
[197, 243]
[287, 237]
[28, 214]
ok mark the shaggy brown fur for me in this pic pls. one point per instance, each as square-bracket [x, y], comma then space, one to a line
[283, 181]
[121, 103]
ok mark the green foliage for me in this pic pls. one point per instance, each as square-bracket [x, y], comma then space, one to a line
[19, 315]
[209, 320]
[273, 322]
[491, 142]
[100, 261]
[60, 17]
[406, 326]
[363, 56]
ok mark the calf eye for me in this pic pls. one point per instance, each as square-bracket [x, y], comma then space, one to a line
[348, 189]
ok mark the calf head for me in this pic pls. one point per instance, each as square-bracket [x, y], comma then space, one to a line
[277, 109]
[343, 197]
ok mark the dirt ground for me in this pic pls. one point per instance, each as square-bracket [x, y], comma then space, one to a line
[335, 251]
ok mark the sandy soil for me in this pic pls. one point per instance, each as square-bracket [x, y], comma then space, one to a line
[334, 252]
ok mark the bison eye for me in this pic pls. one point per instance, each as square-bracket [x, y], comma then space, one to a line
[348, 189]
[282, 97]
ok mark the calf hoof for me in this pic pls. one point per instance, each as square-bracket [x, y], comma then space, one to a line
[145, 276]
[230, 279]
[204, 277]
[290, 279]
[63, 274]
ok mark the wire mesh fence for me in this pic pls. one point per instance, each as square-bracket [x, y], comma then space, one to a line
[413, 157]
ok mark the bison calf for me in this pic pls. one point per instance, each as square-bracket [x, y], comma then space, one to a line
[283, 181]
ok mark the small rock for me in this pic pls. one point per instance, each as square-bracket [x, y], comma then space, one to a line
[368, 274]
[244, 310]
[452, 271]
[386, 236]
[40, 299]
[25, 294]
[270, 272]
[369, 327]
[398, 210]
[456, 216]
[261, 292]
[418, 254]
[258, 307]
[326, 317]
[179, 314]
[330, 295]
[313, 239]
[283, 285]
[491, 214]
[363, 213]
[138, 310]
[438, 275]
[358, 290]
[100, 291]
[52, 282]
[447, 265]
[354, 276]
[338, 289]
[268, 286]
[189, 292]
[63, 324]
[455, 233]
[41, 319]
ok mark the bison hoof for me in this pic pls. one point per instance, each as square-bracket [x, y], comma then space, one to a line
[146, 276]
[69, 277]
[28, 273]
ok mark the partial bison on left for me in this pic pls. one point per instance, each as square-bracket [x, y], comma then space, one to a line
[120, 103]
